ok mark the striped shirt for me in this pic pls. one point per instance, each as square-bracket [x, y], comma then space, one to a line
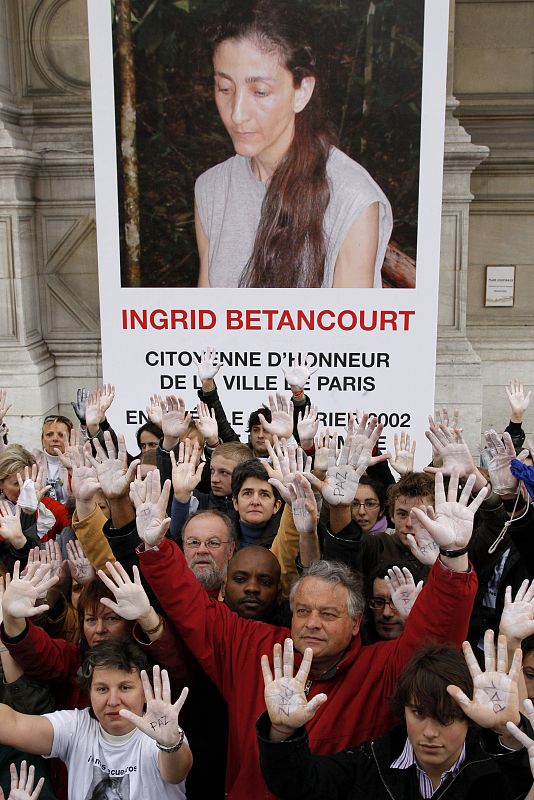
[407, 758]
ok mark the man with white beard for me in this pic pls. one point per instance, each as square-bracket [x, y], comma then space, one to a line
[208, 541]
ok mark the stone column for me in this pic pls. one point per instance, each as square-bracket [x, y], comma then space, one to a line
[458, 369]
[494, 59]
[26, 366]
[49, 316]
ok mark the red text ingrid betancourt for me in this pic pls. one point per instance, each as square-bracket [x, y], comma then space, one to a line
[268, 319]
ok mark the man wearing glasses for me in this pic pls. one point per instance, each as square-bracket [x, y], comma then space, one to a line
[383, 621]
[209, 544]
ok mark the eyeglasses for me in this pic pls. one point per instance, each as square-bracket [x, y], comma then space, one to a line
[378, 603]
[211, 544]
[369, 504]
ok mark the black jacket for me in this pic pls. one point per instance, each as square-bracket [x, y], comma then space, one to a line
[292, 772]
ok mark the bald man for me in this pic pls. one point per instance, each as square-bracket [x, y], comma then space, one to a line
[253, 588]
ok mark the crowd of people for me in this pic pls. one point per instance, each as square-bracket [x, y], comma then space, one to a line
[297, 616]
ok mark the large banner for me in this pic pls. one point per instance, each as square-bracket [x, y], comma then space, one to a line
[383, 76]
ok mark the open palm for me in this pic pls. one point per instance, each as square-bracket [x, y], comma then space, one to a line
[285, 694]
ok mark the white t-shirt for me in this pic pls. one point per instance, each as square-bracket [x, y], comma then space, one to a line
[229, 200]
[125, 769]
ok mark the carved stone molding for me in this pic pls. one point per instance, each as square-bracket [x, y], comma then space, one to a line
[70, 293]
[51, 53]
[8, 321]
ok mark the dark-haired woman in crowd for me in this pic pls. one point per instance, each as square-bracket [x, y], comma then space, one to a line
[289, 209]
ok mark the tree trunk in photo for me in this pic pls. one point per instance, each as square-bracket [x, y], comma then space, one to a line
[398, 270]
[128, 142]
[368, 69]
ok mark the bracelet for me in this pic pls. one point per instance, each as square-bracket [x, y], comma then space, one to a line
[173, 747]
[150, 631]
[453, 553]
[297, 394]
[3, 649]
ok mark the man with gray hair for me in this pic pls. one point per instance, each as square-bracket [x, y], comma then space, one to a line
[325, 624]
[327, 602]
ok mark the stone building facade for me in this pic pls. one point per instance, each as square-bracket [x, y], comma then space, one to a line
[49, 313]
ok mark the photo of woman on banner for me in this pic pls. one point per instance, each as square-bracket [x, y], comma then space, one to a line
[288, 209]
[265, 144]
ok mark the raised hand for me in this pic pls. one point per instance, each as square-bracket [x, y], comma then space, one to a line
[519, 401]
[365, 435]
[28, 500]
[285, 694]
[41, 481]
[522, 737]
[449, 445]
[22, 788]
[73, 454]
[320, 458]
[287, 463]
[404, 454]
[153, 410]
[208, 364]
[307, 426]
[403, 590]
[501, 453]
[442, 418]
[297, 375]
[187, 472]
[10, 527]
[451, 522]
[160, 720]
[281, 423]
[303, 505]
[517, 618]
[84, 482]
[174, 420]
[495, 695]
[112, 470]
[131, 599]
[206, 424]
[81, 569]
[97, 403]
[343, 476]
[52, 557]
[22, 591]
[4, 407]
[421, 543]
[150, 502]
[78, 405]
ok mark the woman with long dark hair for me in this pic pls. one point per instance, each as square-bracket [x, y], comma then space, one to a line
[289, 209]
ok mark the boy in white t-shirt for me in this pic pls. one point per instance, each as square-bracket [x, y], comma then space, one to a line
[110, 750]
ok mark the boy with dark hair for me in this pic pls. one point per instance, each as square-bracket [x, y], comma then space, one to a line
[435, 751]
[257, 435]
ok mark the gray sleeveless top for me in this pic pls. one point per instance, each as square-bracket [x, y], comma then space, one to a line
[229, 199]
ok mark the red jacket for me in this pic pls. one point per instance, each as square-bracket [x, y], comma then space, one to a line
[229, 648]
[63, 518]
[58, 661]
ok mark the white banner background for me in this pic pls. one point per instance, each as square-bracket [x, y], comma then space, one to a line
[399, 348]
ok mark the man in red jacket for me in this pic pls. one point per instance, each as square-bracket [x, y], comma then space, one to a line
[326, 617]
